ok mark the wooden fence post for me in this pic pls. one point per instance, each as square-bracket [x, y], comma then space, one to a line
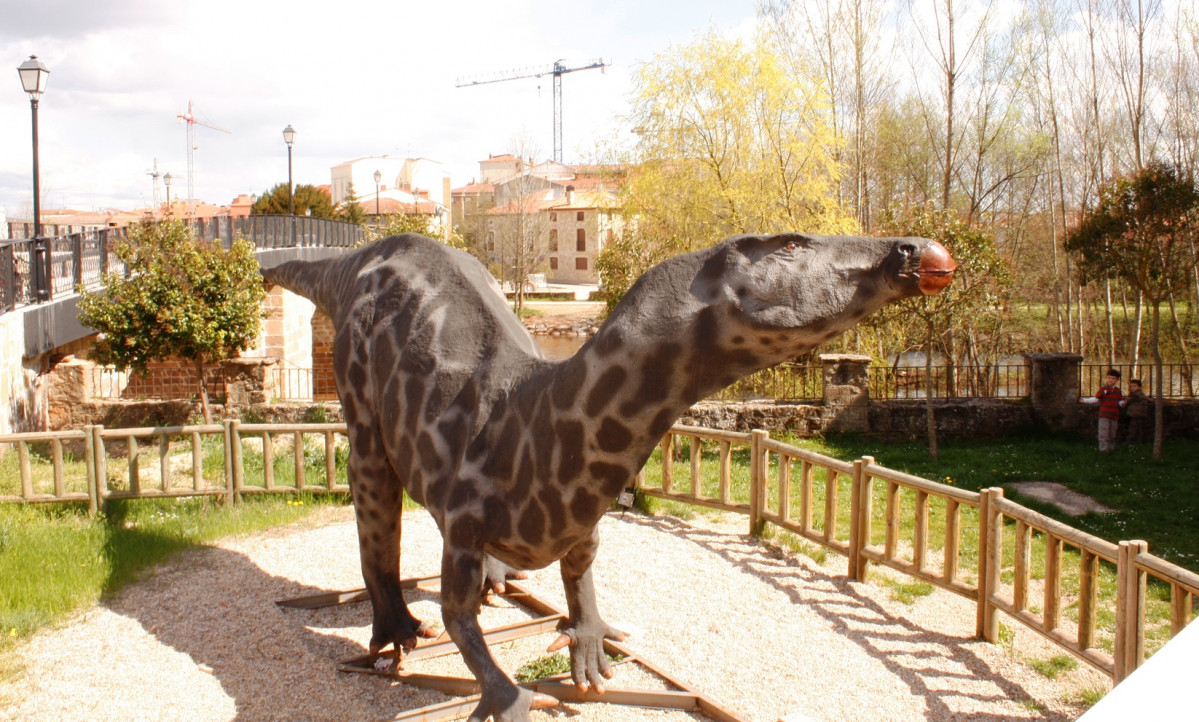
[233, 461]
[990, 561]
[668, 462]
[101, 463]
[758, 482]
[861, 506]
[89, 461]
[1130, 610]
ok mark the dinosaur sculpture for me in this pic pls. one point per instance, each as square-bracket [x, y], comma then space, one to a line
[517, 458]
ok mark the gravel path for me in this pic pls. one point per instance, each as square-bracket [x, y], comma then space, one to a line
[767, 634]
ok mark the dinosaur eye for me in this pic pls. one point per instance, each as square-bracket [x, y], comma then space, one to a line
[791, 246]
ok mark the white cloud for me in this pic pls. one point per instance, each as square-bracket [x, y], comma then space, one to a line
[354, 78]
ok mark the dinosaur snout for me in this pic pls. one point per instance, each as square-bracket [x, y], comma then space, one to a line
[936, 268]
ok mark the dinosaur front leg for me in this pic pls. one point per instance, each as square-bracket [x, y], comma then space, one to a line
[584, 630]
[461, 579]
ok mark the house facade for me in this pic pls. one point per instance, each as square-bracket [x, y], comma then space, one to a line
[548, 218]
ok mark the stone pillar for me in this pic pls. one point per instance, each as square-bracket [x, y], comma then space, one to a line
[846, 392]
[248, 381]
[1053, 388]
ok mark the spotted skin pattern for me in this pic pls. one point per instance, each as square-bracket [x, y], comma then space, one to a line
[445, 395]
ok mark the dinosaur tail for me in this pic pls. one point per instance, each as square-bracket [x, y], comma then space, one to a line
[310, 279]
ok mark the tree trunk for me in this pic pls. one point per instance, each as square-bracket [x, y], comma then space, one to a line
[929, 388]
[1159, 398]
[203, 391]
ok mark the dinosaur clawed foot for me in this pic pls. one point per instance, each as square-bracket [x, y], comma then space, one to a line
[495, 576]
[511, 704]
[589, 664]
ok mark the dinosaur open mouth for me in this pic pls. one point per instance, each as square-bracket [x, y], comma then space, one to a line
[936, 268]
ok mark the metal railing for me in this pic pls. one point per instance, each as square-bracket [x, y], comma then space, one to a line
[38, 270]
[1178, 380]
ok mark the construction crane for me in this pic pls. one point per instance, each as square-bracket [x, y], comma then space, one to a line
[192, 121]
[154, 174]
[557, 70]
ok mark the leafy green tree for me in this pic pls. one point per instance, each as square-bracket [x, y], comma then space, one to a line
[1143, 231]
[351, 210]
[958, 320]
[308, 201]
[183, 298]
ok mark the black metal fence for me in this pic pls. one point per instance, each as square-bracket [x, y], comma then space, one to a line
[38, 270]
[1178, 380]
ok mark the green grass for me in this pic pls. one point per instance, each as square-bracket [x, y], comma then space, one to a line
[55, 559]
[908, 592]
[1054, 667]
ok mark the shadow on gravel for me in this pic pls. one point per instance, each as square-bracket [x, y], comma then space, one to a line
[935, 667]
[274, 663]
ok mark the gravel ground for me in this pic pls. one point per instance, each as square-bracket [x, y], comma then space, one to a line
[767, 634]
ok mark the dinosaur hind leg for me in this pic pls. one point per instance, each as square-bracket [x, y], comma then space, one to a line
[378, 505]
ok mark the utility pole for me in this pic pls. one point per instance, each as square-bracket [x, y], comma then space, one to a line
[557, 70]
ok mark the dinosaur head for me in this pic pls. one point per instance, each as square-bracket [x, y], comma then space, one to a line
[797, 290]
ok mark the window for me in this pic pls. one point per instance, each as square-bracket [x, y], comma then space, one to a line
[579, 216]
[581, 240]
[580, 264]
[553, 239]
[553, 263]
[553, 216]
[491, 240]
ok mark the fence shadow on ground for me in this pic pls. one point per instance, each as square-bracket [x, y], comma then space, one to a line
[943, 666]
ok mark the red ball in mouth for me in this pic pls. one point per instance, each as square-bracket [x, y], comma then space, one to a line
[936, 268]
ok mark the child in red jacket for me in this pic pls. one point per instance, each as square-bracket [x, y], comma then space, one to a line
[1109, 397]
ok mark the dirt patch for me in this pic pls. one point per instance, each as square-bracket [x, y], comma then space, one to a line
[1069, 501]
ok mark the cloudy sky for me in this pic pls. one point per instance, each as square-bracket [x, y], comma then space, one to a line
[355, 78]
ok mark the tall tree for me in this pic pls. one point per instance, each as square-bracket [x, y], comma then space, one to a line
[1142, 232]
[183, 298]
[717, 155]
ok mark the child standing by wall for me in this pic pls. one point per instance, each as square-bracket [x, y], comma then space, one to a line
[1108, 397]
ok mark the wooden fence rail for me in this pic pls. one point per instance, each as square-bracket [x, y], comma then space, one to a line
[816, 498]
[859, 509]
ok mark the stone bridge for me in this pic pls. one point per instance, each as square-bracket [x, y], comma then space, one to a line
[40, 326]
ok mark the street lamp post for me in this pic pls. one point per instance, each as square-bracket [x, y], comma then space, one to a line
[378, 177]
[167, 179]
[33, 79]
[289, 137]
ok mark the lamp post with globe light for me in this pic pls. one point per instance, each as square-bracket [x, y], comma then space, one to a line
[34, 75]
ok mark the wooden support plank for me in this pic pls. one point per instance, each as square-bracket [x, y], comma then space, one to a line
[298, 451]
[697, 456]
[784, 509]
[1182, 604]
[164, 462]
[330, 461]
[197, 461]
[135, 476]
[1023, 564]
[60, 483]
[1053, 583]
[668, 462]
[832, 494]
[726, 472]
[953, 541]
[268, 461]
[26, 470]
[892, 528]
[807, 474]
[920, 534]
[1088, 598]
